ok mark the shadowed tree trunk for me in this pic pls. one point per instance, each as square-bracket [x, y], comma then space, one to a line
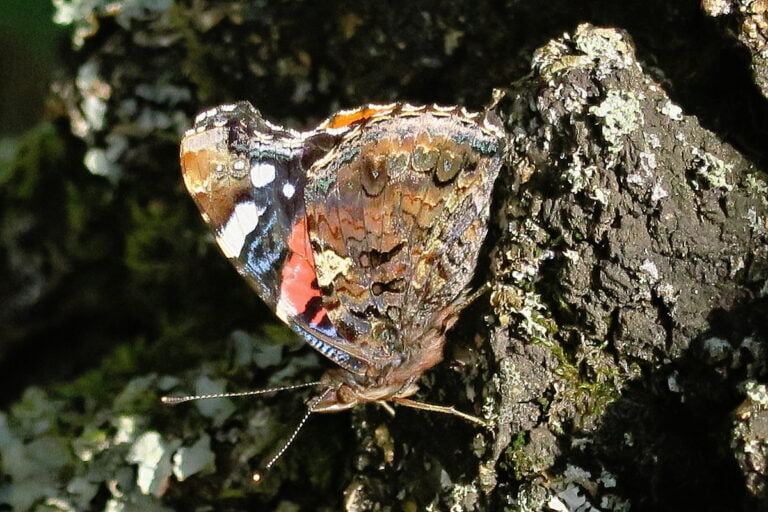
[621, 351]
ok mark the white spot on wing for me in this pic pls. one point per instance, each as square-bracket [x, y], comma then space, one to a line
[262, 174]
[288, 190]
[243, 220]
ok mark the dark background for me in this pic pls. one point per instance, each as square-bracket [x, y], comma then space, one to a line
[31, 48]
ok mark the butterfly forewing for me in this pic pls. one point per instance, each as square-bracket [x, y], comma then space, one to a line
[247, 176]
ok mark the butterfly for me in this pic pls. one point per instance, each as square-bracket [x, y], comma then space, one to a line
[361, 234]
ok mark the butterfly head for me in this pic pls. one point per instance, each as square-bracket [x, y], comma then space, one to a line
[344, 390]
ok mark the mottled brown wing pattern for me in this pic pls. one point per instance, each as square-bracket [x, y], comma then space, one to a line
[362, 234]
[397, 212]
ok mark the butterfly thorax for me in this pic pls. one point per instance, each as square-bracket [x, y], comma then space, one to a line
[414, 353]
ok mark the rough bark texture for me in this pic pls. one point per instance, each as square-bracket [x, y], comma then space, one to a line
[642, 244]
[622, 350]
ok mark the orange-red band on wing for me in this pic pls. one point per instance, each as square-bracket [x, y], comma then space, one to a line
[347, 118]
[298, 287]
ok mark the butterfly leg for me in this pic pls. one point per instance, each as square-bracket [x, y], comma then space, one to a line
[445, 410]
[386, 407]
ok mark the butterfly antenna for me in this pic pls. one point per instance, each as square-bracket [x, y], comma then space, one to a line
[258, 476]
[188, 398]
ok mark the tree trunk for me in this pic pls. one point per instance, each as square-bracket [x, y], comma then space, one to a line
[621, 352]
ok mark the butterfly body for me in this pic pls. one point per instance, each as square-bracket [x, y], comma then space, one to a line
[362, 234]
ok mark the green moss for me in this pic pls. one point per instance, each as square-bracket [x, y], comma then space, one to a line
[523, 459]
[155, 237]
[35, 152]
[197, 55]
[519, 441]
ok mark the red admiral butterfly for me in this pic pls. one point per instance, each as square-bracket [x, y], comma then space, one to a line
[362, 234]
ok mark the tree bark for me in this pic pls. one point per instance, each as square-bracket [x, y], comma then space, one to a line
[621, 351]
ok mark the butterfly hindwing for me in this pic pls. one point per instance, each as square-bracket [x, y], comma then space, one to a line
[397, 212]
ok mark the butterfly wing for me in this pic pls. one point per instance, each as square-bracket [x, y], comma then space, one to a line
[247, 177]
[397, 212]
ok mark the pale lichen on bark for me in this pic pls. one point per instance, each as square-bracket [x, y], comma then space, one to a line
[636, 222]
